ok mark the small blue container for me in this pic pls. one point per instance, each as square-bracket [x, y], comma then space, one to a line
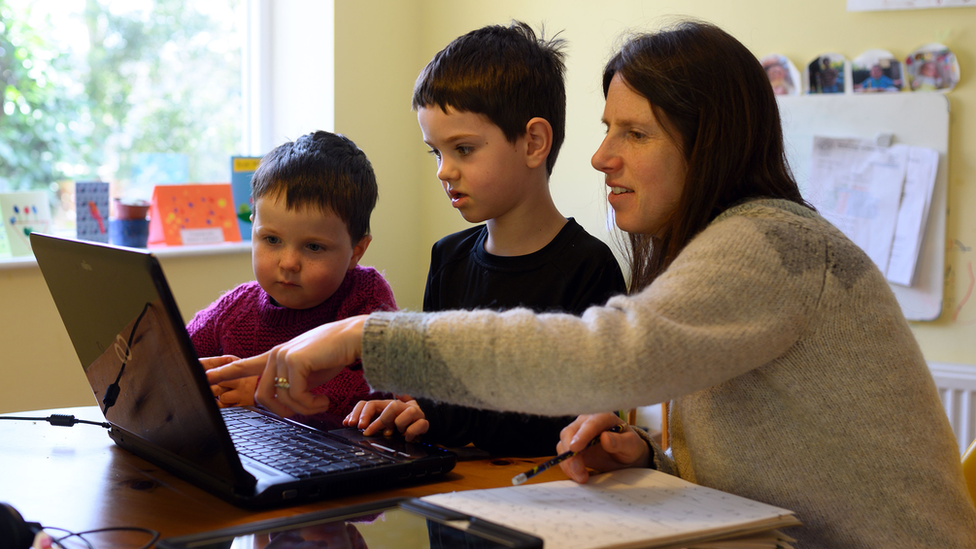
[133, 233]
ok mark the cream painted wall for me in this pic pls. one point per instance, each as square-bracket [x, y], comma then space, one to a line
[378, 57]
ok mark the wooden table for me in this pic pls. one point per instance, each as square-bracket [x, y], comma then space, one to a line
[77, 479]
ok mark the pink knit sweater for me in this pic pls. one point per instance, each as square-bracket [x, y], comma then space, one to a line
[245, 322]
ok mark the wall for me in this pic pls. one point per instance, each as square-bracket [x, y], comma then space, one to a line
[377, 60]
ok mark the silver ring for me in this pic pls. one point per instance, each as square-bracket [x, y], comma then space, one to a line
[282, 383]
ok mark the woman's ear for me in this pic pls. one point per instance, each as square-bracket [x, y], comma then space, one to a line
[538, 142]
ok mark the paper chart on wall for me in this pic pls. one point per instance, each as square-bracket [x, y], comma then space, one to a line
[913, 213]
[879, 196]
[857, 186]
[626, 508]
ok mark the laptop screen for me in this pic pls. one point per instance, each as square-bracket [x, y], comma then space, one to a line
[127, 332]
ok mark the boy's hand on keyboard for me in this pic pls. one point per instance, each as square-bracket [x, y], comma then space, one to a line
[239, 392]
[234, 392]
[387, 416]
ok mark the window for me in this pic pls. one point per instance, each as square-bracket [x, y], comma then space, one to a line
[133, 92]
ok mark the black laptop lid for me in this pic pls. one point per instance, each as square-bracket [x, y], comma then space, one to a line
[127, 331]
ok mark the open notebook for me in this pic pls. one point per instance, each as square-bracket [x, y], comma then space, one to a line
[129, 335]
[629, 508]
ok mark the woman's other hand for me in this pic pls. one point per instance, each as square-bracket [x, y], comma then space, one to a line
[615, 450]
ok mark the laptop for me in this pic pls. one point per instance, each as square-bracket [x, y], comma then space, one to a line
[129, 335]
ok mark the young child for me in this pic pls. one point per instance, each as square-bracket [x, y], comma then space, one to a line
[310, 227]
[878, 81]
[492, 109]
[927, 78]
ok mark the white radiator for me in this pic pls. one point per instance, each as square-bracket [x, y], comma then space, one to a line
[957, 389]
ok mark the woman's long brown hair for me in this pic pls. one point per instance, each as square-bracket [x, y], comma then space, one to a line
[714, 97]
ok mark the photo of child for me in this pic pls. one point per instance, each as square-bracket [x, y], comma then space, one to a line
[932, 68]
[782, 73]
[826, 74]
[876, 71]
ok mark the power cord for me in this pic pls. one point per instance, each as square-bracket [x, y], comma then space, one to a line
[66, 420]
[81, 535]
[61, 420]
[112, 391]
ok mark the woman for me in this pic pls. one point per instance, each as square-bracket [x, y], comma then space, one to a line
[794, 378]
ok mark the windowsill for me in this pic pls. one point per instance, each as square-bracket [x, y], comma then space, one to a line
[28, 261]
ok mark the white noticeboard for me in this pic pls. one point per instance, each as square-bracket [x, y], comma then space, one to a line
[912, 118]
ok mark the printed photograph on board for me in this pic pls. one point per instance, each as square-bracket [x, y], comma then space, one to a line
[825, 74]
[932, 67]
[876, 71]
[783, 74]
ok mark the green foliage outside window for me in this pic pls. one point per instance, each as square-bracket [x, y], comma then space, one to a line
[34, 130]
[88, 95]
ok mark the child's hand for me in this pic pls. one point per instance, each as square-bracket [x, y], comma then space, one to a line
[239, 392]
[402, 414]
[234, 392]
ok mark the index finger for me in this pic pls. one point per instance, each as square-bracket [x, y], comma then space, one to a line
[211, 362]
[241, 368]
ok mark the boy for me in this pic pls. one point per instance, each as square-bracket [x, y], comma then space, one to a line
[312, 202]
[492, 109]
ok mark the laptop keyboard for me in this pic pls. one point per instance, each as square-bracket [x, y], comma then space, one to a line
[300, 453]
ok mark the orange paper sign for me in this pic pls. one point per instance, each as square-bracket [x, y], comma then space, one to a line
[192, 214]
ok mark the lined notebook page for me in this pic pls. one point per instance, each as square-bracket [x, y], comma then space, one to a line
[625, 508]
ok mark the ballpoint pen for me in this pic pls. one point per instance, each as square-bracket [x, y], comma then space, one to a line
[522, 477]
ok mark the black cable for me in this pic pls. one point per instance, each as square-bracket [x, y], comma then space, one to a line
[62, 420]
[112, 391]
[70, 534]
[81, 535]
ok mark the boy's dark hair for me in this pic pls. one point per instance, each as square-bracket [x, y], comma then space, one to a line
[324, 170]
[713, 97]
[504, 73]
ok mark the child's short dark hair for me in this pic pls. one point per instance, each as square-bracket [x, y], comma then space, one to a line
[504, 73]
[324, 170]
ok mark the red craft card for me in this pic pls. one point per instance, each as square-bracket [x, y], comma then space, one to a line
[192, 214]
